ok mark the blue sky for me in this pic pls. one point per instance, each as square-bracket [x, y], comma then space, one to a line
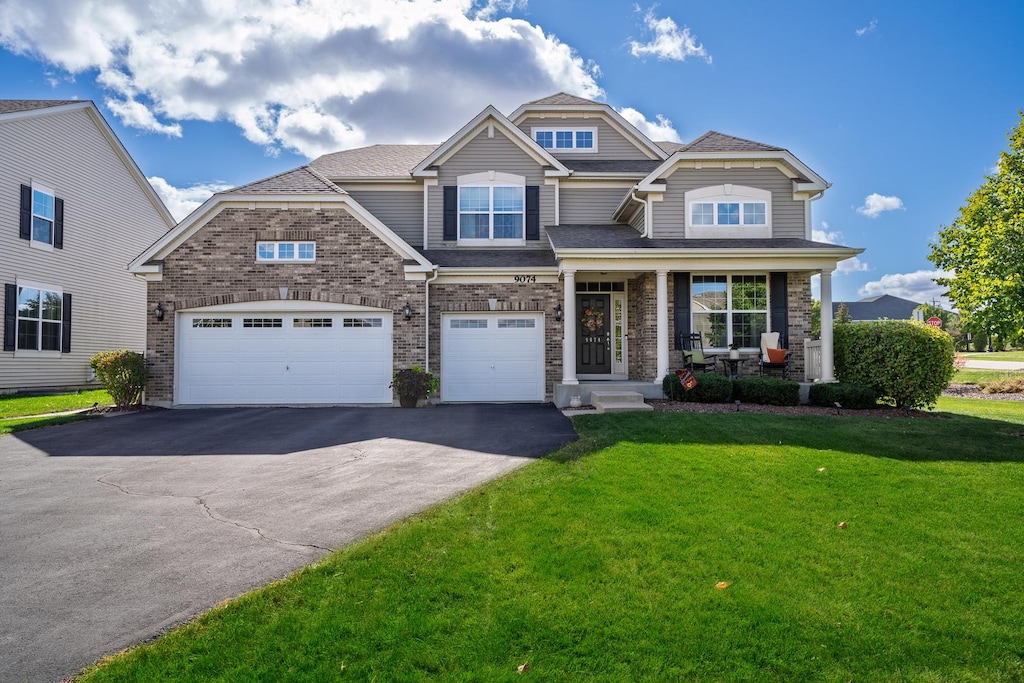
[903, 107]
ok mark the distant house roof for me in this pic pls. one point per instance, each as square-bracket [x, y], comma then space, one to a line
[301, 180]
[12, 106]
[880, 307]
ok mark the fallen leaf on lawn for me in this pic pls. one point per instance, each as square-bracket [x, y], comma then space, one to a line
[821, 469]
[842, 525]
[523, 667]
[722, 585]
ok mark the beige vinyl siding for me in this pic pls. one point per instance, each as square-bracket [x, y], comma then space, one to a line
[582, 204]
[787, 213]
[611, 144]
[489, 154]
[400, 210]
[108, 221]
[636, 219]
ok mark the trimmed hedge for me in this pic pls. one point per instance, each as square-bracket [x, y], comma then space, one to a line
[905, 362]
[852, 396]
[710, 388]
[122, 373]
[766, 391]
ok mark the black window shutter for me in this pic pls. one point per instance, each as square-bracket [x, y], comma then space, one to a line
[451, 214]
[58, 223]
[780, 306]
[533, 212]
[65, 328]
[682, 308]
[10, 316]
[25, 231]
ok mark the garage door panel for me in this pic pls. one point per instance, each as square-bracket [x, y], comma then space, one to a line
[492, 357]
[310, 358]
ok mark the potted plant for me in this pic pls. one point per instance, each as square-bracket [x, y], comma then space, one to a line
[413, 384]
[734, 350]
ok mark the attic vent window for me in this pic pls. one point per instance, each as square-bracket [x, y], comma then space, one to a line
[568, 139]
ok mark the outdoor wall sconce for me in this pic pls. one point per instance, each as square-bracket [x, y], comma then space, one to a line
[407, 310]
[158, 312]
[558, 312]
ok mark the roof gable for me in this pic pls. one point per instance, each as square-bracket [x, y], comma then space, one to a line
[302, 180]
[713, 141]
[375, 161]
[562, 99]
[16, 106]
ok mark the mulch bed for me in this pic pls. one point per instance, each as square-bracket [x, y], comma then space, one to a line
[114, 410]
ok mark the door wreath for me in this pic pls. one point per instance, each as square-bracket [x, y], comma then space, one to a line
[592, 319]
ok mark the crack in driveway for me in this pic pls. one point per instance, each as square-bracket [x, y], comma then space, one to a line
[212, 515]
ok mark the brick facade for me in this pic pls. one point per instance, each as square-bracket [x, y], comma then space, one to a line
[798, 299]
[217, 265]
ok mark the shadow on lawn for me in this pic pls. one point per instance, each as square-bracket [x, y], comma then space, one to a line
[956, 438]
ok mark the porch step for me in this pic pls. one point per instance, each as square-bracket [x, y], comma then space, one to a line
[618, 401]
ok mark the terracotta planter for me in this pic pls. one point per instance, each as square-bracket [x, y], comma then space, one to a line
[408, 401]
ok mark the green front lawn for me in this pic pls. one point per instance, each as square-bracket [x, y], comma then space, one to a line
[22, 424]
[602, 562]
[975, 376]
[19, 405]
[997, 355]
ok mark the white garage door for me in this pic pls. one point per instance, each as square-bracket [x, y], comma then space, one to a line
[492, 357]
[284, 357]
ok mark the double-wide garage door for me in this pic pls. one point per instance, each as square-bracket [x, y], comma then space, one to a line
[281, 358]
[492, 357]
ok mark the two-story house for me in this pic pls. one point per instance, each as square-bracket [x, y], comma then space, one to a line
[525, 255]
[74, 211]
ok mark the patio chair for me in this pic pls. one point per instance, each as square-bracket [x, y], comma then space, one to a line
[773, 355]
[694, 356]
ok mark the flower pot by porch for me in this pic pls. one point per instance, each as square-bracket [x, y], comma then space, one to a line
[408, 401]
[734, 353]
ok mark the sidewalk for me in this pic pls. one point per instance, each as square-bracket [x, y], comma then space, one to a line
[994, 365]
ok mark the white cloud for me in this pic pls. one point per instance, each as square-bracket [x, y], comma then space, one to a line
[870, 28]
[181, 201]
[876, 204]
[826, 234]
[917, 286]
[309, 76]
[661, 129]
[668, 41]
[852, 265]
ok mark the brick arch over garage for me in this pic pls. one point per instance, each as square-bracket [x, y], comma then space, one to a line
[274, 294]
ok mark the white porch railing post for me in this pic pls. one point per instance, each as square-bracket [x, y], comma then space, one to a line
[569, 328]
[812, 359]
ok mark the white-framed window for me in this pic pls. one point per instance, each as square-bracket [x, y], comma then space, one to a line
[362, 322]
[560, 139]
[261, 322]
[728, 211]
[729, 308]
[40, 317]
[492, 209]
[211, 322]
[286, 252]
[44, 202]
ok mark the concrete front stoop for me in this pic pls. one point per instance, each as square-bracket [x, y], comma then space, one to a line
[618, 401]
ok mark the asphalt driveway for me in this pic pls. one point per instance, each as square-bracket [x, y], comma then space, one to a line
[115, 530]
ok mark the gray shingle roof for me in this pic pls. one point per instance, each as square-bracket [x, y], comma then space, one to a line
[562, 98]
[713, 141]
[376, 161]
[879, 308]
[301, 180]
[12, 106]
[495, 258]
[613, 166]
[625, 237]
[669, 147]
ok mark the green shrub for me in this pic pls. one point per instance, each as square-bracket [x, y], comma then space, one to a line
[853, 396]
[711, 388]
[122, 373]
[766, 391]
[907, 363]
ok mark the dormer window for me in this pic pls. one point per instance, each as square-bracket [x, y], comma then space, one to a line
[566, 139]
[728, 211]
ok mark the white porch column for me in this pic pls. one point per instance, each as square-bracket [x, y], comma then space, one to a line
[569, 328]
[662, 331]
[828, 373]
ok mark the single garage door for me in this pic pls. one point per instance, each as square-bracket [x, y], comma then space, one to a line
[492, 357]
[281, 358]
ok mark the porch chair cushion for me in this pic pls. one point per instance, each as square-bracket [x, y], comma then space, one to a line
[696, 356]
[777, 355]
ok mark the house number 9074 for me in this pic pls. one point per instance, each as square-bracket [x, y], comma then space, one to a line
[526, 278]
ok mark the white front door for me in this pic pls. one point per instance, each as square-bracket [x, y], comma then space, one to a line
[492, 357]
[284, 357]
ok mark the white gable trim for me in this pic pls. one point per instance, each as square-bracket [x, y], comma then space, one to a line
[219, 202]
[783, 160]
[489, 119]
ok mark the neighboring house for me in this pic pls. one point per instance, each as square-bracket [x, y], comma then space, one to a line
[883, 307]
[74, 211]
[522, 257]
